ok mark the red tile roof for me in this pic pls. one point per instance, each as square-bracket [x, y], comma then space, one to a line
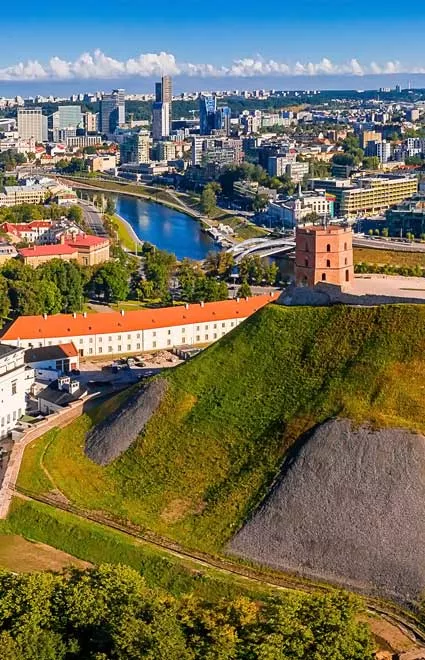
[47, 250]
[65, 325]
[87, 240]
[12, 228]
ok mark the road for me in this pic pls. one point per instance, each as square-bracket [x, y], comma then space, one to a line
[93, 218]
[385, 244]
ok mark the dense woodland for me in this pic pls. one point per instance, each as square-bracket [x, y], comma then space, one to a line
[108, 613]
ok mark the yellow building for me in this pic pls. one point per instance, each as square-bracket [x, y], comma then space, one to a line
[376, 194]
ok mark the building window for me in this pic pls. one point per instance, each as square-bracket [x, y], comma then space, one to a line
[99, 339]
[169, 332]
[306, 263]
[198, 338]
[119, 337]
[345, 261]
[345, 246]
[154, 344]
[198, 328]
[223, 325]
[110, 349]
[90, 351]
[14, 386]
[306, 247]
[323, 277]
[14, 415]
[128, 336]
[206, 337]
[119, 349]
[129, 347]
[91, 340]
[100, 349]
[168, 342]
[328, 247]
[109, 338]
[328, 263]
[215, 335]
[138, 347]
[215, 326]
[138, 335]
[154, 334]
[81, 341]
[347, 275]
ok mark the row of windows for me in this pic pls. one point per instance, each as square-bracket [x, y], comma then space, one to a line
[15, 416]
[328, 247]
[328, 262]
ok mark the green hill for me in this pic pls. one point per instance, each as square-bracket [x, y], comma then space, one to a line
[212, 450]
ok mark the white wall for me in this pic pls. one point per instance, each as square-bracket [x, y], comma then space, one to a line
[140, 340]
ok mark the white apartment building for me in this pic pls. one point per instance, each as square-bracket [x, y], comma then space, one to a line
[32, 124]
[15, 381]
[137, 331]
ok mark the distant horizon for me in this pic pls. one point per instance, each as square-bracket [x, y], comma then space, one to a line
[137, 85]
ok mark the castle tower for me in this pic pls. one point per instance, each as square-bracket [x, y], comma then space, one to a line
[324, 254]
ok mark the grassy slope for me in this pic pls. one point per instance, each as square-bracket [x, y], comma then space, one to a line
[94, 543]
[217, 441]
[382, 257]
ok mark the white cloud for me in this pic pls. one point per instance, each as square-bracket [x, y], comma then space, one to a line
[98, 65]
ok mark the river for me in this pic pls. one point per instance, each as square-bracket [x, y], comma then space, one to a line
[162, 226]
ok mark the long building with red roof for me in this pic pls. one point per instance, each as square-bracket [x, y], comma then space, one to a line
[128, 332]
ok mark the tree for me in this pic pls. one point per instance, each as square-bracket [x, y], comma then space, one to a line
[75, 214]
[4, 300]
[111, 281]
[188, 273]
[371, 162]
[244, 290]
[70, 279]
[260, 203]
[208, 200]
[110, 206]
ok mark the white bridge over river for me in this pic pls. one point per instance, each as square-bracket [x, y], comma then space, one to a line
[262, 247]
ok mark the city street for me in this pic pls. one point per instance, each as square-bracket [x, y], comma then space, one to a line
[93, 218]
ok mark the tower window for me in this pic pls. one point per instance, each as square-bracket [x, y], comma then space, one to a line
[306, 263]
[323, 277]
[328, 263]
[345, 246]
[306, 247]
[345, 261]
[328, 247]
[347, 275]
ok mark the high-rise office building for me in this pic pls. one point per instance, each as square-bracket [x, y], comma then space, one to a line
[164, 96]
[31, 124]
[211, 118]
[160, 120]
[207, 110]
[67, 116]
[112, 111]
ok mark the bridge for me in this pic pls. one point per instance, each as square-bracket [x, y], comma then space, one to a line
[262, 247]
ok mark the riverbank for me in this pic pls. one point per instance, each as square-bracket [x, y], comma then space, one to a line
[125, 232]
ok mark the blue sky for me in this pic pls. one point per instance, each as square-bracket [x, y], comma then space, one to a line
[191, 31]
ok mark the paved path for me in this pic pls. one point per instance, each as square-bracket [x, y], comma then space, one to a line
[384, 244]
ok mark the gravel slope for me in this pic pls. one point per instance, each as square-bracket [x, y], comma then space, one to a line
[115, 434]
[349, 507]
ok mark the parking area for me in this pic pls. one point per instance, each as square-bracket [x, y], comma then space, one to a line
[122, 372]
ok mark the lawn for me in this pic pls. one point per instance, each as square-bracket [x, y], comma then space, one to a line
[382, 257]
[94, 543]
[211, 451]
[19, 555]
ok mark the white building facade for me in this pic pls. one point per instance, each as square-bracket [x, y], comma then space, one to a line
[132, 332]
[15, 382]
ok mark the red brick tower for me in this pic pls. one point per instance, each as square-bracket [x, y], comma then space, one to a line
[324, 254]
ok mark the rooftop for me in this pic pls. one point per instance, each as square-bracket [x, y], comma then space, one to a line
[87, 240]
[47, 250]
[58, 352]
[5, 349]
[68, 325]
